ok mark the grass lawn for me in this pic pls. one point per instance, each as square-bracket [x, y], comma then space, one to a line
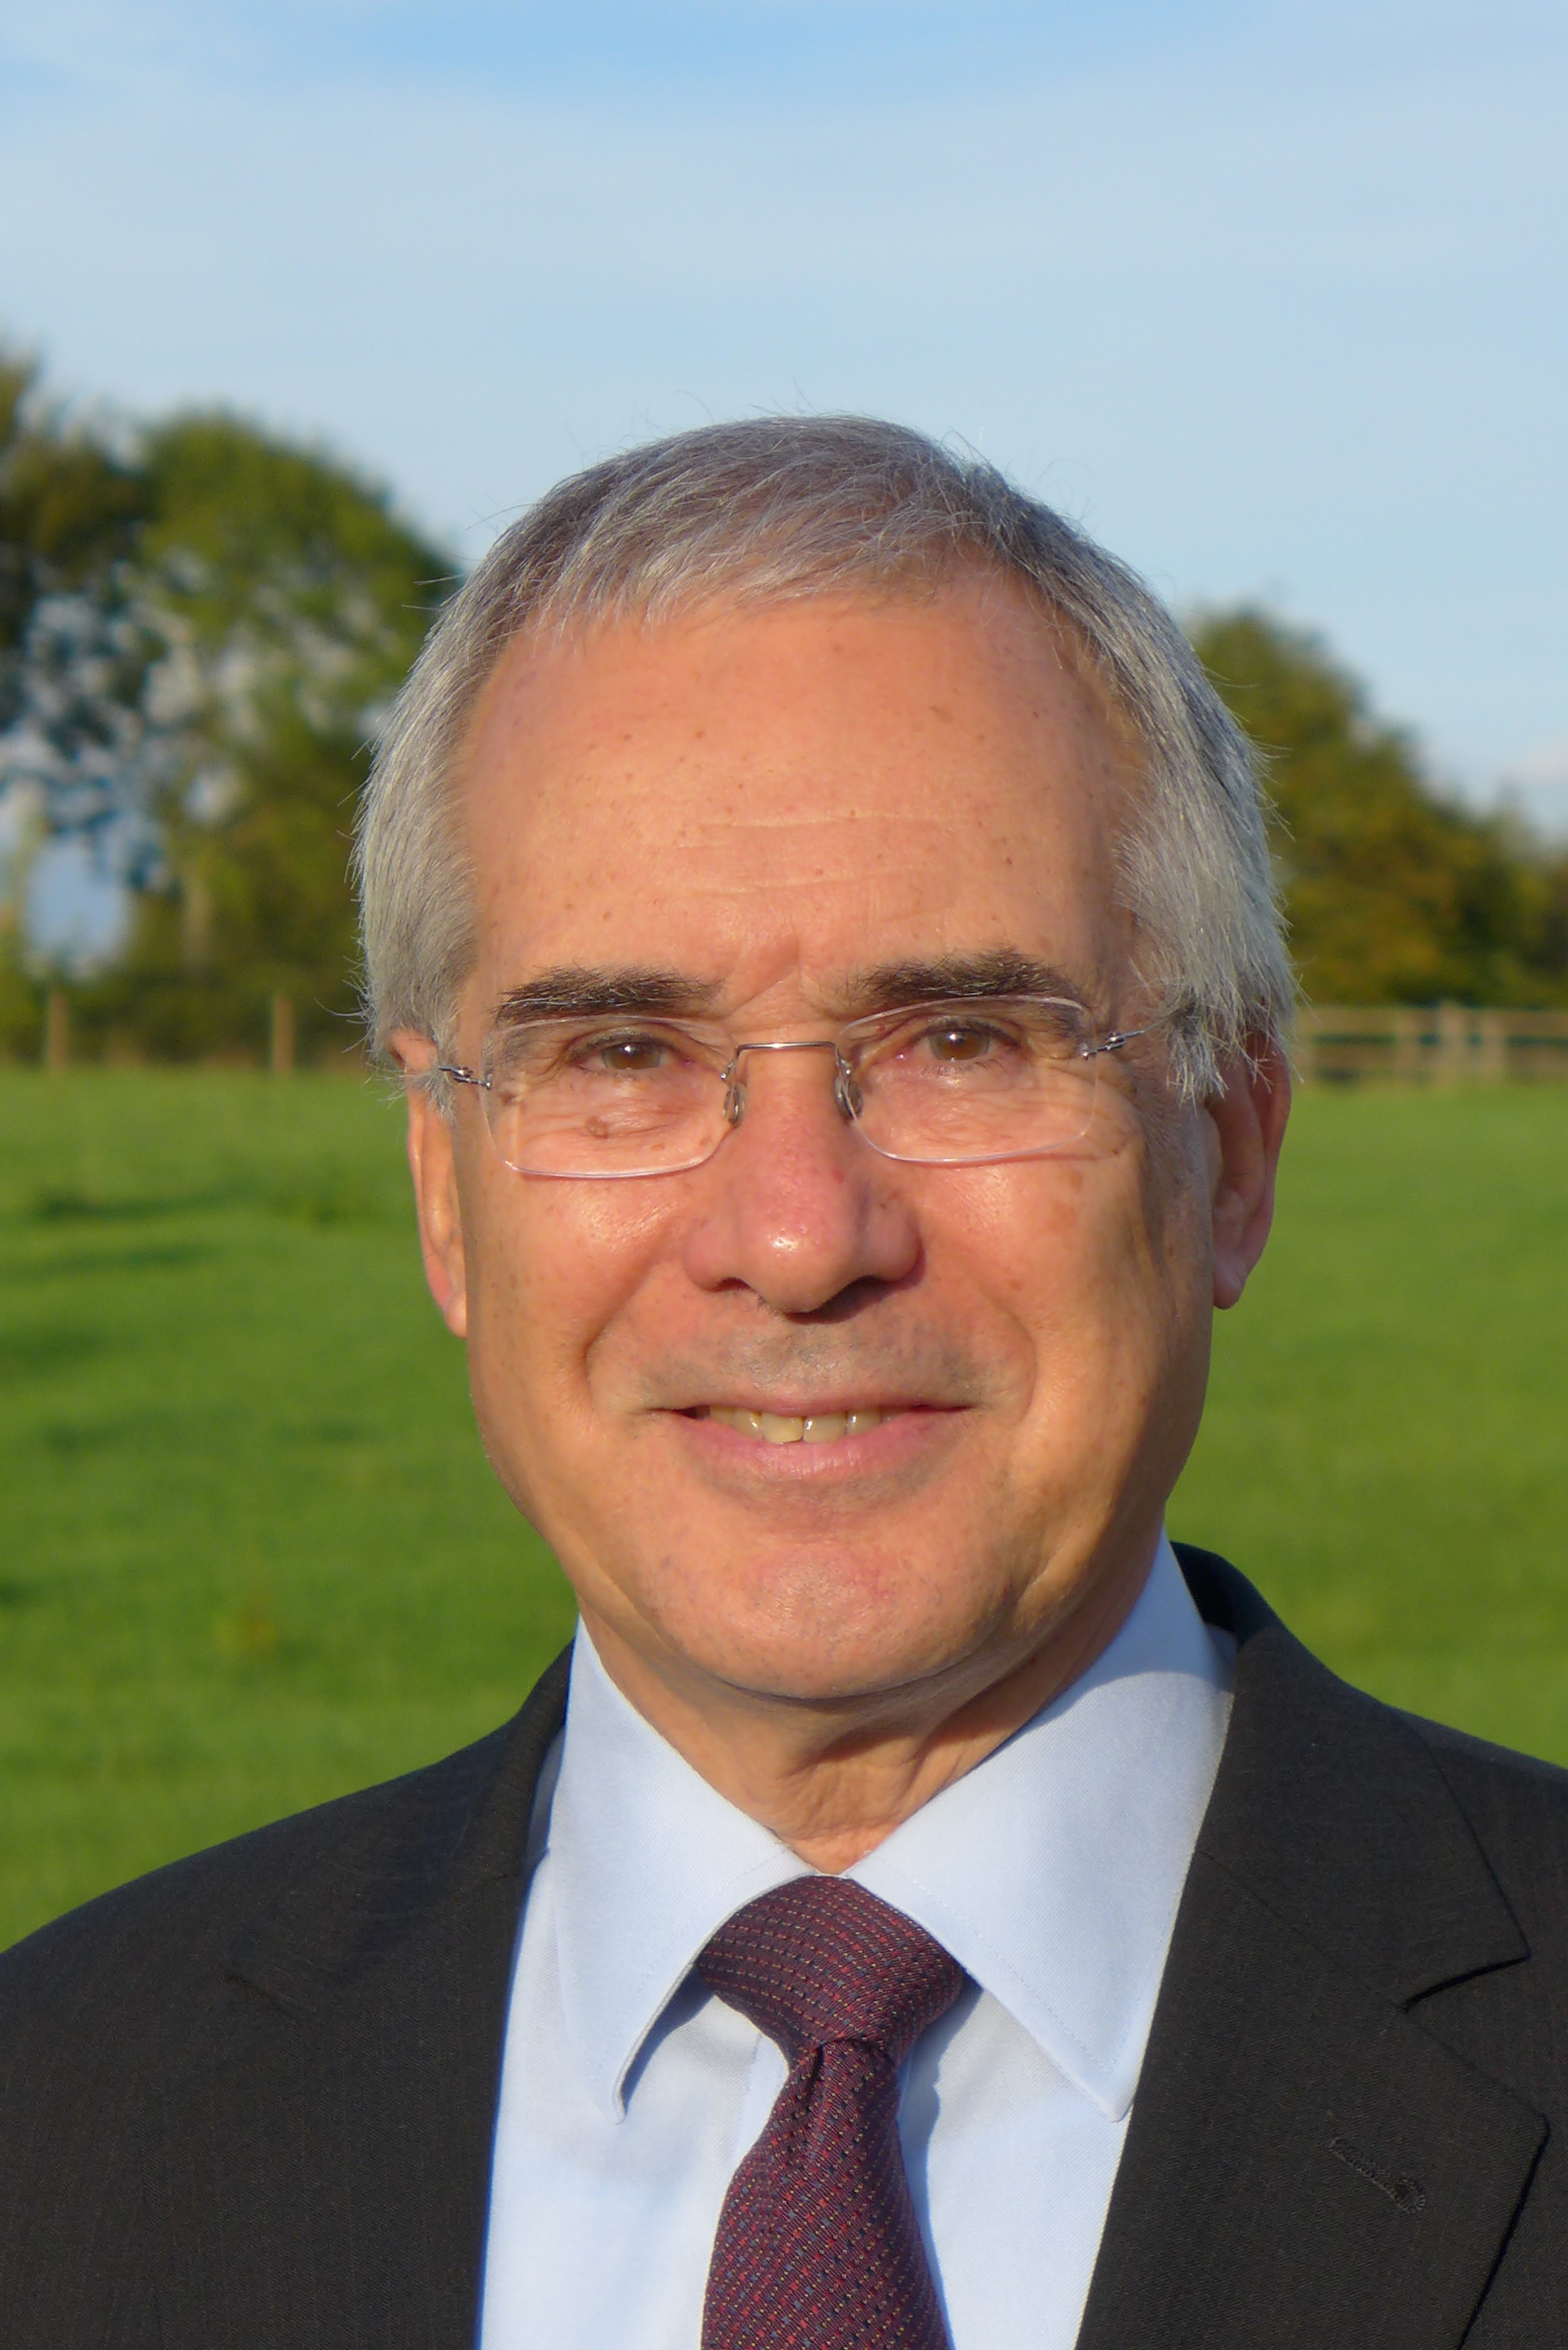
[252, 1555]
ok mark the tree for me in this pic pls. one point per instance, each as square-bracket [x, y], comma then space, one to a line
[289, 602]
[74, 656]
[200, 624]
[1393, 893]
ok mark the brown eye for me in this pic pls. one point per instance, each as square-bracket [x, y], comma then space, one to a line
[960, 1043]
[632, 1056]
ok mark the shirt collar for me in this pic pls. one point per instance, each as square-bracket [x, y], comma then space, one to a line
[647, 1861]
[1052, 1871]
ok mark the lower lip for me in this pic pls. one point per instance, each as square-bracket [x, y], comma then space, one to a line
[904, 1436]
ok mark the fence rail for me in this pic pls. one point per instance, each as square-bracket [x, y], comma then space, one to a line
[1439, 1044]
[1445, 1044]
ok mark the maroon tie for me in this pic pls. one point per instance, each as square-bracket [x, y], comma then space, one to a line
[818, 2247]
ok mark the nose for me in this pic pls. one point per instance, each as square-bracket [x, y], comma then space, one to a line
[794, 1206]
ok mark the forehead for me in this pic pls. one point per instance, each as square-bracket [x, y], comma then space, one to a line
[781, 795]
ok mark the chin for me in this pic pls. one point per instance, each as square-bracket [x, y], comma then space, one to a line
[817, 1634]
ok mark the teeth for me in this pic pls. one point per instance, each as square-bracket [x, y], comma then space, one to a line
[785, 1428]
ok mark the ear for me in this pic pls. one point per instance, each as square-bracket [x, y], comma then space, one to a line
[433, 1168]
[1247, 1124]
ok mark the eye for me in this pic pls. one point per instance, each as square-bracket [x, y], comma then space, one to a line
[624, 1057]
[956, 1041]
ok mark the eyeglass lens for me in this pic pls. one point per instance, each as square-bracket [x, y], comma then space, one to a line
[948, 1084]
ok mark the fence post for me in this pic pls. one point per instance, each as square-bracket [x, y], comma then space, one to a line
[282, 1035]
[1451, 1043]
[1407, 1056]
[1452, 1040]
[56, 1030]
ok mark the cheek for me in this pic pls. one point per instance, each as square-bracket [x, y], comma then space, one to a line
[1091, 1266]
[1053, 1243]
[553, 1268]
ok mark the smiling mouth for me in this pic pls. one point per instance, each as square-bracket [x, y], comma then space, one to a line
[786, 1427]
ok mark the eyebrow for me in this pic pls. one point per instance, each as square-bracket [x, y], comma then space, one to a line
[580, 989]
[1001, 971]
[573, 990]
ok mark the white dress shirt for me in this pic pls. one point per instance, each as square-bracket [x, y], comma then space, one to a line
[629, 2094]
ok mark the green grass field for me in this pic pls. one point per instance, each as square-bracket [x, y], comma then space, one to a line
[252, 1555]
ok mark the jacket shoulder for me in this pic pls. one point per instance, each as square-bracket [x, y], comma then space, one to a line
[1517, 1809]
[380, 1848]
[1499, 1773]
[1325, 1788]
[152, 1941]
[122, 2021]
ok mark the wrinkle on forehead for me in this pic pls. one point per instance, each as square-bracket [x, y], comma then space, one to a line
[786, 792]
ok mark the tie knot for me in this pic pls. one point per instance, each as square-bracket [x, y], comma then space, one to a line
[821, 1959]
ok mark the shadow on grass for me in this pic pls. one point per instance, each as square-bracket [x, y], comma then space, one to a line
[323, 1196]
[34, 1354]
[168, 1258]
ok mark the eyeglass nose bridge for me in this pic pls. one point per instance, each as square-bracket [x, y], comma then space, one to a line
[846, 1092]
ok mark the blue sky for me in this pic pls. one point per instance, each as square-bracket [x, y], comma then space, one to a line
[1271, 295]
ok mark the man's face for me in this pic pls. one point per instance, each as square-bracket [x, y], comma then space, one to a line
[781, 806]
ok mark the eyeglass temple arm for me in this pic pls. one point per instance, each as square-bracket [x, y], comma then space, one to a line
[1119, 1037]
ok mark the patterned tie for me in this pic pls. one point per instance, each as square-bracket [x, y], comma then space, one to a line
[818, 2247]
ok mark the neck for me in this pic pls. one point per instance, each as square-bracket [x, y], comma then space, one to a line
[833, 1779]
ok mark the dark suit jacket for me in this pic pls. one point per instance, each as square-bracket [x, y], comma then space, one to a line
[247, 2103]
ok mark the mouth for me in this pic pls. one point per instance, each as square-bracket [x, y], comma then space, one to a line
[792, 1427]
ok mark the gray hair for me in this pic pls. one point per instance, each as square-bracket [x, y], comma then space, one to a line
[781, 507]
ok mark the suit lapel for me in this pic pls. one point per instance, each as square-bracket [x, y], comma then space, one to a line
[1306, 2164]
[361, 2027]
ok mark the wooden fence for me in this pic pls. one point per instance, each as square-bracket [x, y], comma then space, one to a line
[1447, 1044]
[60, 1043]
[1443, 1045]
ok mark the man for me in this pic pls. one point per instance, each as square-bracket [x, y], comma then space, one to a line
[823, 915]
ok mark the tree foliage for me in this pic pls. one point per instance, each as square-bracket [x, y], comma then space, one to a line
[201, 623]
[198, 629]
[290, 601]
[1394, 892]
[74, 656]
